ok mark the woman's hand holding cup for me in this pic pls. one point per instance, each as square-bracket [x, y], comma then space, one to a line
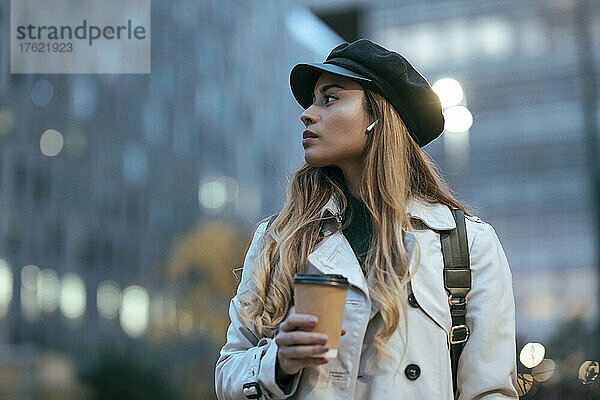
[297, 346]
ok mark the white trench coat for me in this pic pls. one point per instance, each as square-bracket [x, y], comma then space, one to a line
[487, 365]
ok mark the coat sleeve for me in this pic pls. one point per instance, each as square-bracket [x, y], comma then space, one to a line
[245, 358]
[487, 365]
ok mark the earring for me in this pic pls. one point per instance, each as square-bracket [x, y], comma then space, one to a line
[371, 127]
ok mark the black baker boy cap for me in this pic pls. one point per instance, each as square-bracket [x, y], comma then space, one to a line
[385, 72]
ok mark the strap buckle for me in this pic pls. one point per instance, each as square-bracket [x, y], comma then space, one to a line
[453, 331]
[252, 390]
[461, 301]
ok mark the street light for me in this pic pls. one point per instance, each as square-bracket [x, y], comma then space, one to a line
[458, 120]
[449, 91]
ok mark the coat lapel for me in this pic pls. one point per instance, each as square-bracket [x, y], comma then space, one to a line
[427, 282]
[334, 255]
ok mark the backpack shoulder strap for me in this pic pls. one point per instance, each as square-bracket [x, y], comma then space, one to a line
[457, 280]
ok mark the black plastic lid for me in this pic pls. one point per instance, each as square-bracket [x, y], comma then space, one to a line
[322, 279]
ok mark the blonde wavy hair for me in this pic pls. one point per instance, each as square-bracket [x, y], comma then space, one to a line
[395, 170]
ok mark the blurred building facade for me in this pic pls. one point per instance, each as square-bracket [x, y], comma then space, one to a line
[212, 132]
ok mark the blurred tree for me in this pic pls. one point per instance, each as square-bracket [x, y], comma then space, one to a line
[200, 269]
[202, 263]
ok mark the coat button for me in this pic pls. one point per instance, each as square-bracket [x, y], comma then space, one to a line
[412, 301]
[412, 371]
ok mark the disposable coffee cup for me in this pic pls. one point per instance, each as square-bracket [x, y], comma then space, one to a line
[323, 295]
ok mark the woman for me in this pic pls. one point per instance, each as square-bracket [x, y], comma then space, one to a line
[366, 196]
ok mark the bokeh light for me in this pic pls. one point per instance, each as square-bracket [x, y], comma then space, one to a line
[29, 303]
[163, 312]
[84, 94]
[449, 91]
[186, 323]
[51, 142]
[212, 194]
[157, 310]
[72, 296]
[532, 354]
[524, 383]
[48, 290]
[134, 314]
[496, 36]
[458, 119]
[42, 92]
[6, 287]
[544, 370]
[588, 372]
[29, 277]
[108, 299]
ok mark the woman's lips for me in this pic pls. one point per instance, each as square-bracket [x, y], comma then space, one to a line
[308, 140]
[308, 136]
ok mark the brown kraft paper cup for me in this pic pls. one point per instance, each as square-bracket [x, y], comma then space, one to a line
[323, 295]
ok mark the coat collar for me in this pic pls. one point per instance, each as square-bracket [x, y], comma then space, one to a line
[436, 216]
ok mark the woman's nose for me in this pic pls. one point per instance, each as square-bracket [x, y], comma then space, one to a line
[307, 117]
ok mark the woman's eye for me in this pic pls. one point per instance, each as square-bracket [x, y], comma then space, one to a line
[329, 95]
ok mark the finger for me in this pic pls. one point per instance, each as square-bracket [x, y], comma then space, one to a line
[343, 331]
[301, 351]
[299, 337]
[298, 321]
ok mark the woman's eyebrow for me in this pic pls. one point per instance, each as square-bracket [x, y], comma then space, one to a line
[325, 87]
